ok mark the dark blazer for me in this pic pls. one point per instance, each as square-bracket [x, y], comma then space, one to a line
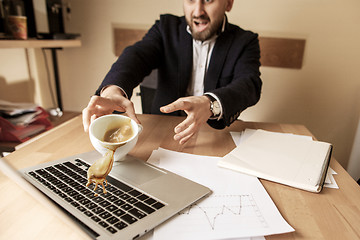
[233, 73]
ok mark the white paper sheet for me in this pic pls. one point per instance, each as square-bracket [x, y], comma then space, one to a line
[239, 206]
[149, 236]
[331, 180]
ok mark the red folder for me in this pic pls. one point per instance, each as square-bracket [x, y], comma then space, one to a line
[14, 133]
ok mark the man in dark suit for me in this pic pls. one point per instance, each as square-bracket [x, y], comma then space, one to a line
[207, 68]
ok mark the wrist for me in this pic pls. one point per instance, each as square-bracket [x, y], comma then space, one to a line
[112, 90]
[207, 105]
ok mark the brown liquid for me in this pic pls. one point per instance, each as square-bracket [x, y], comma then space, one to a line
[120, 133]
[98, 172]
[100, 169]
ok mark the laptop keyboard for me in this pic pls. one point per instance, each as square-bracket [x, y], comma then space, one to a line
[121, 206]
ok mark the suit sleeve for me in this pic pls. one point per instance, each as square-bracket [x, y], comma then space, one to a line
[242, 88]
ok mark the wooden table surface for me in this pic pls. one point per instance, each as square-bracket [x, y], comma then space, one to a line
[331, 214]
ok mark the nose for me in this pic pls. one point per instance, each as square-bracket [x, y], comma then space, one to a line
[199, 9]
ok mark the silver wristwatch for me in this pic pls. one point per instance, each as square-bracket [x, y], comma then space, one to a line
[214, 106]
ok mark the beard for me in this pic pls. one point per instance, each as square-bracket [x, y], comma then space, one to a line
[210, 31]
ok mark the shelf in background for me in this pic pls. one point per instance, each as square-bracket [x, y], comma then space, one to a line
[36, 43]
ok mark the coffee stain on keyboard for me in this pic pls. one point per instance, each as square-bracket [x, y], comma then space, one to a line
[98, 172]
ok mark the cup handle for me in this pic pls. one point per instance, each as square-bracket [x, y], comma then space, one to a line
[140, 128]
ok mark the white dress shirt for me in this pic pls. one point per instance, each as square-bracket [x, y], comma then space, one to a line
[202, 51]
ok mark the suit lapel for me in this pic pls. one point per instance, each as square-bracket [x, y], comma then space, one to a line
[185, 60]
[217, 60]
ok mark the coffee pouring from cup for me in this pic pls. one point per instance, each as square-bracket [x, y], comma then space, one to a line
[103, 125]
[113, 136]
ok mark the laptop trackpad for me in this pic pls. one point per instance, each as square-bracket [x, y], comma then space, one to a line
[135, 170]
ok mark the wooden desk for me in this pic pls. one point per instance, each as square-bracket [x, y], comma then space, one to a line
[332, 214]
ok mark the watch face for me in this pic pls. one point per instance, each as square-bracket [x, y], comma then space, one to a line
[216, 109]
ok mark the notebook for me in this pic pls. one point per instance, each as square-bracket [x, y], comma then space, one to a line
[139, 196]
[289, 159]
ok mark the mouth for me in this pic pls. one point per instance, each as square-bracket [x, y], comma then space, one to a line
[200, 24]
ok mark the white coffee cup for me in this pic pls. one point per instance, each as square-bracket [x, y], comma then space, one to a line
[101, 125]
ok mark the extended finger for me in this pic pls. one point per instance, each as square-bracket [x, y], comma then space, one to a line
[185, 139]
[190, 130]
[184, 124]
[174, 106]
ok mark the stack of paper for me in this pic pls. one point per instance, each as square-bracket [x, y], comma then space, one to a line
[290, 159]
[329, 180]
[239, 206]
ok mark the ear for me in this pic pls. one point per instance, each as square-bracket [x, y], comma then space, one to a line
[229, 4]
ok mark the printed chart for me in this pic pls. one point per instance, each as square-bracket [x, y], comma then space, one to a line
[215, 211]
[239, 206]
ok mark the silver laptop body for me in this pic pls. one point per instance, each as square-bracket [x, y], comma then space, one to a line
[139, 196]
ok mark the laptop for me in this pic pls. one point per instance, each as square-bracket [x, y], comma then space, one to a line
[139, 196]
